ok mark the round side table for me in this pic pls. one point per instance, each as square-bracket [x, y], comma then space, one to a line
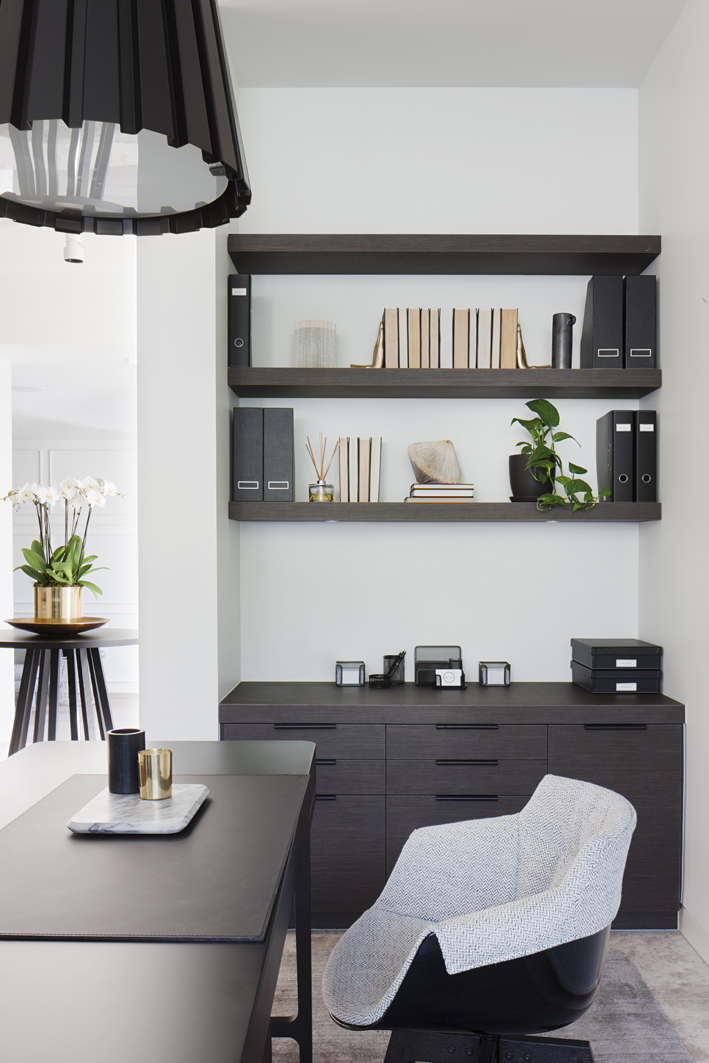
[40, 682]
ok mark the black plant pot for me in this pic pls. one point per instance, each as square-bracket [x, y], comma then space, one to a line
[524, 486]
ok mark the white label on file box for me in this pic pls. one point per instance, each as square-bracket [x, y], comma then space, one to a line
[278, 485]
[248, 485]
[626, 686]
[624, 428]
[646, 427]
[238, 291]
[608, 352]
[626, 664]
[641, 352]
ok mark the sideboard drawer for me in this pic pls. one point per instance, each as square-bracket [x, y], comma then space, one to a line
[347, 853]
[350, 741]
[458, 776]
[405, 814]
[337, 776]
[434, 741]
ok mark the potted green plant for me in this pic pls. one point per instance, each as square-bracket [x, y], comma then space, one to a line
[538, 471]
[59, 573]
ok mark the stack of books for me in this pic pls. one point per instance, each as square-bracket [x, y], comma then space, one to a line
[450, 339]
[360, 468]
[440, 493]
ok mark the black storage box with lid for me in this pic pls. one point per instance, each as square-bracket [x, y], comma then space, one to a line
[616, 653]
[617, 680]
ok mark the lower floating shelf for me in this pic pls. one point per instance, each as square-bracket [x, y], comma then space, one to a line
[607, 512]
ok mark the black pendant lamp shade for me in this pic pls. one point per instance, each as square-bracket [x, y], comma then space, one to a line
[117, 116]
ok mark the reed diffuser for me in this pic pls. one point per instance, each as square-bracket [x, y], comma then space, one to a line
[321, 491]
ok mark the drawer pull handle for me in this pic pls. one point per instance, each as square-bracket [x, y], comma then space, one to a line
[615, 726]
[328, 763]
[466, 797]
[467, 726]
[304, 726]
[326, 797]
[468, 763]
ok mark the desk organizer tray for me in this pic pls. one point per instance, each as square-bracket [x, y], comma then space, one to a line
[617, 680]
[616, 653]
[111, 813]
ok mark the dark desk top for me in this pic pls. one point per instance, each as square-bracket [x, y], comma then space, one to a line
[254, 702]
[12, 639]
[173, 1003]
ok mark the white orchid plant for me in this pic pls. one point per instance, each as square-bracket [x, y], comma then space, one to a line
[68, 564]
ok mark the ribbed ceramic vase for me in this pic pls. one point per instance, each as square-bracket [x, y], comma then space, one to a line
[57, 603]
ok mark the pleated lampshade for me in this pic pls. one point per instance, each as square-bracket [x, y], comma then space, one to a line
[117, 116]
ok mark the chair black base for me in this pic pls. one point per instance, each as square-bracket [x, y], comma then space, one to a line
[409, 1046]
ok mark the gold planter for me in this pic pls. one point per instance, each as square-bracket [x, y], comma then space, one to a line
[57, 603]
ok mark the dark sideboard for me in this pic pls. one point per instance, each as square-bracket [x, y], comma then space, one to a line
[389, 761]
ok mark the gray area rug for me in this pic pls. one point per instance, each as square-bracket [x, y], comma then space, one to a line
[624, 1025]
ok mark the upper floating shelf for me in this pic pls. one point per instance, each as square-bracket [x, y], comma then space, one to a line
[444, 383]
[446, 254]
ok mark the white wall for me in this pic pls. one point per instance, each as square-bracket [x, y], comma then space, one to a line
[7, 689]
[438, 160]
[441, 160]
[187, 547]
[674, 569]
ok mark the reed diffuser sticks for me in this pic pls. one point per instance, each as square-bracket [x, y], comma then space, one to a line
[320, 469]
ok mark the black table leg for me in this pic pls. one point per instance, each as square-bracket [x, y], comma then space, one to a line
[53, 694]
[82, 676]
[300, 1026]
[71, 682]
[23, 708]
[40, 710]
[100, 691]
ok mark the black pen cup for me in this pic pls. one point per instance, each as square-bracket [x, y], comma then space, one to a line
[397, 678]
[123, 772]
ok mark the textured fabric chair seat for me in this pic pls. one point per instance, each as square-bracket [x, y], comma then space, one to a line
[490, 890]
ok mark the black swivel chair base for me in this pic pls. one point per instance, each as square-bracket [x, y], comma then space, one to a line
[408, 1046]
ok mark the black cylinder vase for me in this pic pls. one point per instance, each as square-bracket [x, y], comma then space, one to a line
[123, 746]
[562, 326]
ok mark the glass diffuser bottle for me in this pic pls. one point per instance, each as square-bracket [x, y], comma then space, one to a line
[321, 491]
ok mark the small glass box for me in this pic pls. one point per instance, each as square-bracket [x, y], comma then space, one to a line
[349, 673]
[494, 673]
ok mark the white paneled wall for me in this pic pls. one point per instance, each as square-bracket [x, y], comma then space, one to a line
[113, 535]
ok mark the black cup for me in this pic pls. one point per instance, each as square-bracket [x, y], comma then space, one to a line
[123, 746]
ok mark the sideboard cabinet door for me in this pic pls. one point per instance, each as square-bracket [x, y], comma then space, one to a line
[645, 764]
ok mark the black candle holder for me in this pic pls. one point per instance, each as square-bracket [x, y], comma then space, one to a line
[123, 746]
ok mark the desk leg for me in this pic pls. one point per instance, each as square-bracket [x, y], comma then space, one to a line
[41, 702]
[53, 694]
[82, 676]
[103, 708]
[300, 1026]
[24, 701]
[71, 680]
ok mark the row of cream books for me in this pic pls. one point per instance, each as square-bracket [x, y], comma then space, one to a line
[441, 493]
[450, 339]
[360, 468]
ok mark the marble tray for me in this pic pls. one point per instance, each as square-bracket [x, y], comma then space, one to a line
[111, 813]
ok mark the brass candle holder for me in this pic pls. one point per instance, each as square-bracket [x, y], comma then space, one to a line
[155, 767]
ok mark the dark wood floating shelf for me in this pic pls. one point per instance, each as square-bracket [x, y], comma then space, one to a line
[444, 383]
[416, 512]
[445, 254]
